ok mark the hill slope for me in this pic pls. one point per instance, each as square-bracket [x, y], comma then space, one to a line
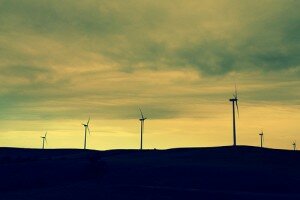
[188, 173]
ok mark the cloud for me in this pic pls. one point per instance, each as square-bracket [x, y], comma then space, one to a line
[215, 38]
[63, 60]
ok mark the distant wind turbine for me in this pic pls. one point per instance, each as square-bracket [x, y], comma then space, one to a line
[261, 138]
[234, 101]
[86, 128]
[142, 119]
[294, 145]
[44, 138]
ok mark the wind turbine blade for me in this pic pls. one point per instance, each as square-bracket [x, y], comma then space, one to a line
[46, 134]
[141, 113]
[89, 130]
[88, 121]
[235, 91]
[237, 108]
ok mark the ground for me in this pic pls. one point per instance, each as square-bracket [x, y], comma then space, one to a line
[241, 172]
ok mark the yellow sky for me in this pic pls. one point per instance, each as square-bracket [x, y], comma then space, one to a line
[278, 123]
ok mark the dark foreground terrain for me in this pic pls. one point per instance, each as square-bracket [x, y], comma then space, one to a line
[190, 173]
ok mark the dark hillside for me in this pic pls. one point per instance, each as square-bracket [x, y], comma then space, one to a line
[185, 173]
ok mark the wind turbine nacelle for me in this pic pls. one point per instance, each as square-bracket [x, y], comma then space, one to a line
[233, 99]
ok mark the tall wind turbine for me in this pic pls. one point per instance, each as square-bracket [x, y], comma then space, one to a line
[86, 128]
[234, 101]
[294, 145]
[261, 138]
[142, 119]
[44, 138]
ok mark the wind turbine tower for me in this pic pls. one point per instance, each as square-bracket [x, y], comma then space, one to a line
[44, 138]
[234, 101]
[86, 129]
[142, 119]
[261, 138]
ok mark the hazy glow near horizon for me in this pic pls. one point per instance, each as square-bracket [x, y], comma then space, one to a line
[179, 61]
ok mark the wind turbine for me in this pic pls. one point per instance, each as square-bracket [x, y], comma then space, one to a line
[44, 138]
[261, 138]
[234, 101]
[294, 145]
[142, 119]
[86, 128]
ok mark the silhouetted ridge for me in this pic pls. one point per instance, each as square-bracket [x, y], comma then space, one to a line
[240, 172]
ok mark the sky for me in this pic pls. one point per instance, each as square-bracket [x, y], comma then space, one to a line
[62, 62]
